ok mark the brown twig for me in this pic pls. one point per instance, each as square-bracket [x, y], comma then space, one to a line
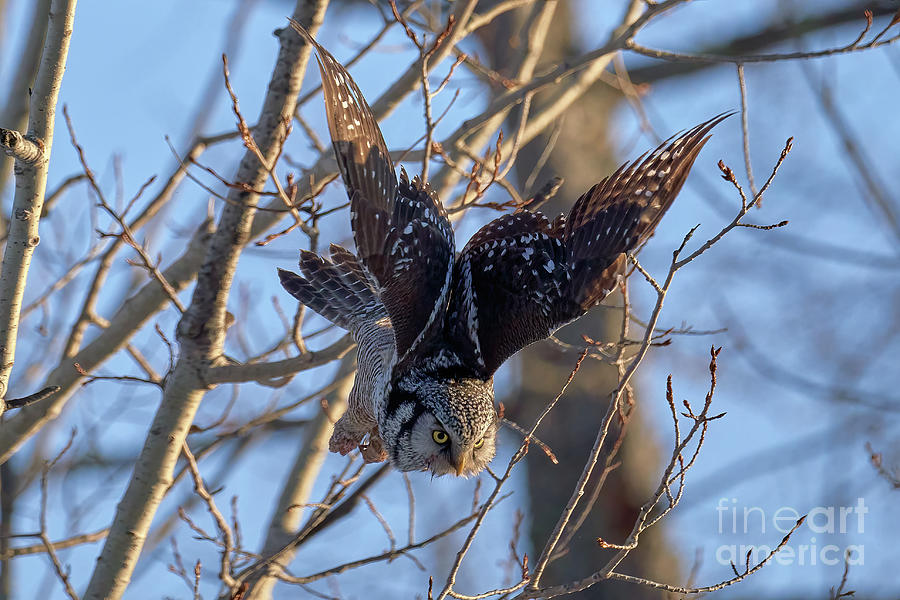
[32, 398]
[854, 46]
[221, 524]
[126, 234]
[517, 456]
[61, 573]
[875, 458]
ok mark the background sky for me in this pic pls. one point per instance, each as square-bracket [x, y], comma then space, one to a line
[136, 76]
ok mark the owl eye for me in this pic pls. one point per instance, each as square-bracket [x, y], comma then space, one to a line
[440, 436]
[479, 444]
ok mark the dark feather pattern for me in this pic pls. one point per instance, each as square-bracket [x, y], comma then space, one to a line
[521, 277]
[507, 285]
[401, 230]
[432, 327]
[338, 289]
[361, 153]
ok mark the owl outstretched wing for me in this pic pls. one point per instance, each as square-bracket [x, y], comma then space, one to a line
[521, 277]
[401, 230]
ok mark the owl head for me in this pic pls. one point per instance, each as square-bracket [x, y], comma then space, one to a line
[439, 424]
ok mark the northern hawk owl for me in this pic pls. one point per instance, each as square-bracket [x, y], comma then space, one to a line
[433, 325]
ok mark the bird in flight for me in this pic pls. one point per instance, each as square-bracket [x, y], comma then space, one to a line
[433, 325]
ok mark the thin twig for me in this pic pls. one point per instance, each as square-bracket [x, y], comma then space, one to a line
[215, 513]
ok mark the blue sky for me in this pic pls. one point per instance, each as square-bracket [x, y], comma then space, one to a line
[134, 77]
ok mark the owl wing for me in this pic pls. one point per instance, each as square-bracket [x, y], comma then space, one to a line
[401, 230]
[521, 277]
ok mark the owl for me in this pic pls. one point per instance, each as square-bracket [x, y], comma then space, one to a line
[432, 324]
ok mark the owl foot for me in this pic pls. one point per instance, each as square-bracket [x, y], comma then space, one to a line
[344, 441]
[347, 438]
[373, 451]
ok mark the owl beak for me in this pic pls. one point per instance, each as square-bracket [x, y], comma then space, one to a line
[460, 465]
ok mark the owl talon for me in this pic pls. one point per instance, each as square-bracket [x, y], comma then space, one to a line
[350, 431]
[342, 446]
[373, 451]
[343, 442]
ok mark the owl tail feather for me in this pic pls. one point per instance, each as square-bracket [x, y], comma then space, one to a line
[338, 288]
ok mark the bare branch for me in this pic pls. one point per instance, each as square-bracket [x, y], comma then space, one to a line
[265, 372]
[31, 180]
[31, 399]
[22, 148]
[298, 487]
[70, 542]
[854, 46]
[14, 113]
[201, 331]
[221, 524]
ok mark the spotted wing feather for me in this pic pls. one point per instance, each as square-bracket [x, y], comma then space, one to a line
[401, 230]
[509, 290]
[521, 277]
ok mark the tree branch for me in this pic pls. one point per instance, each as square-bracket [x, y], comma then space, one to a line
[31, 182]
[758, 40]
[15, 112]
[266, 371]
[298, 486]
[201, 332]
[21, 148]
